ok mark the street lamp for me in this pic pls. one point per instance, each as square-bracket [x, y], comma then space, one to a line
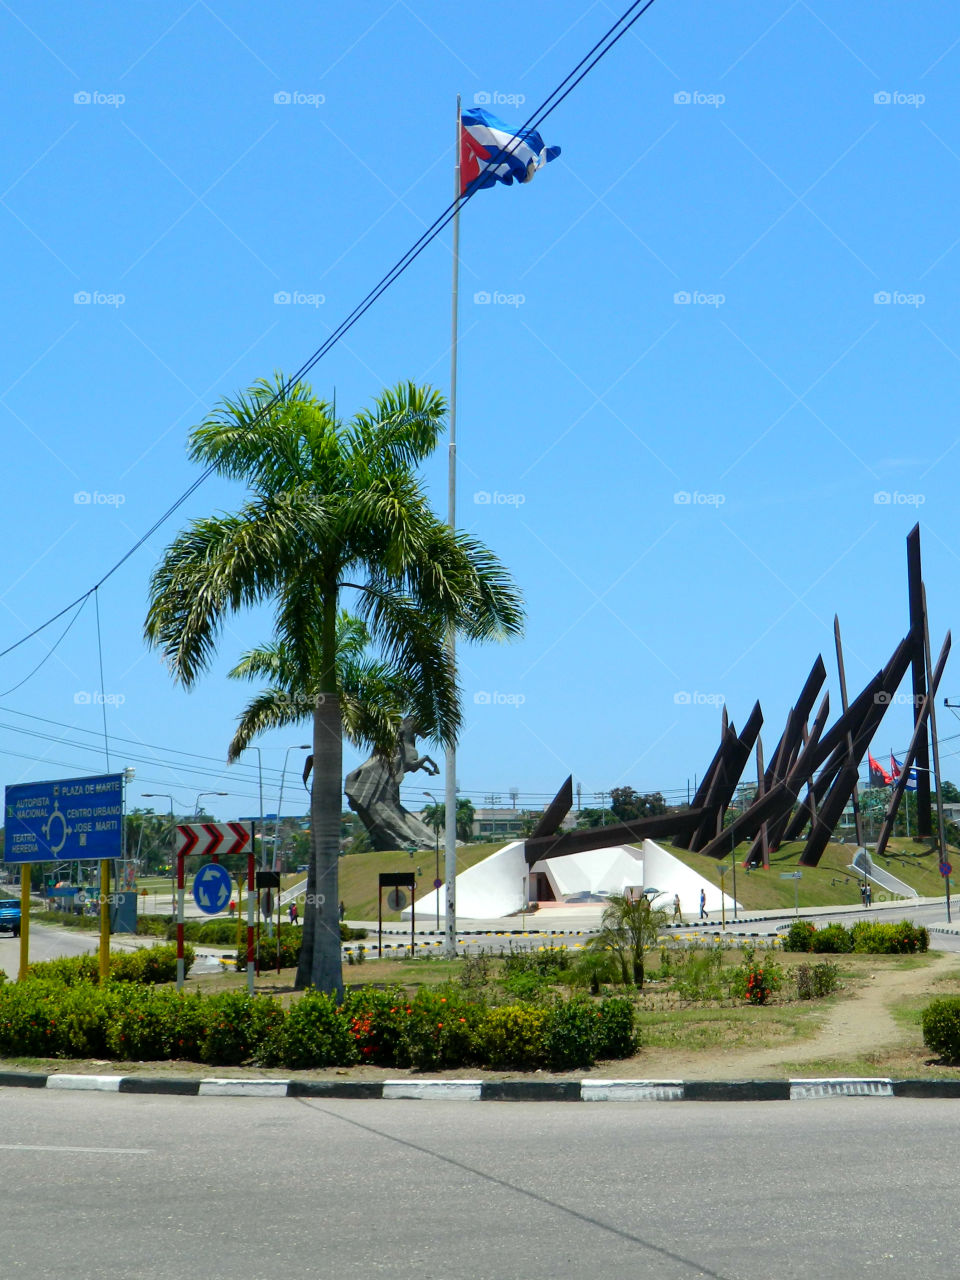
[283, 774]
[260, 783]
[196, 810]
[436, 839]
[162, 795]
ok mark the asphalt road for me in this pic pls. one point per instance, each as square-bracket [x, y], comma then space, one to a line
[248, 1189]
[46, 943]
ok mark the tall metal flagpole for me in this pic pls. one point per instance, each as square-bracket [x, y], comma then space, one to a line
[450, 780]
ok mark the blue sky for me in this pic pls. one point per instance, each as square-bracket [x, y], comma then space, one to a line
[786, 169]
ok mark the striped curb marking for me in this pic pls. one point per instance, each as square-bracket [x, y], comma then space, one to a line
[590, 1090]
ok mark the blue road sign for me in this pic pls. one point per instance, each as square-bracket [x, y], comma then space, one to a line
[212, 888]
[64, 820]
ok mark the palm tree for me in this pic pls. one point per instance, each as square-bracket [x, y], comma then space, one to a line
[435, 816]
[374, 696]
[629, 928]
[335, 511]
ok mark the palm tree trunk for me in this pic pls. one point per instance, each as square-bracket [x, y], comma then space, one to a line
[320, 964]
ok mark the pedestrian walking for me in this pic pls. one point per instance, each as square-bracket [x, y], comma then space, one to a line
[677, 915]
[343, 911]
[703, 904]
[294, 913]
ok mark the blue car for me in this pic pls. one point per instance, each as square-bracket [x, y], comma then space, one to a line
[10, 915]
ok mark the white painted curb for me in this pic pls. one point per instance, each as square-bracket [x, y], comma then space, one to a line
[841, 1087]
[222, 1088]
[631, 1090]
[450, 1090]
[105, 1084]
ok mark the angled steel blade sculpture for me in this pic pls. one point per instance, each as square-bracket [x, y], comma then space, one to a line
[842, 674]
[556, 811]
[634, 832]
[736, 754]
[917, 618]
[919, 732]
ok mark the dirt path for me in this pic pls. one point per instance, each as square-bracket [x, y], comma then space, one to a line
[857, 1026]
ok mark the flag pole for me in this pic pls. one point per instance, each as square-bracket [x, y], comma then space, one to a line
[450, 780]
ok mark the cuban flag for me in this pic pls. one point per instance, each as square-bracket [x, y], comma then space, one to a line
[491, 152]
[897, 768]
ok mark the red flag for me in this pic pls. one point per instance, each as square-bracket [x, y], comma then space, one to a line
[878, 775]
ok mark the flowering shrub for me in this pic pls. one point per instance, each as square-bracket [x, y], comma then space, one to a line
[756, 980]
[897, 938]
[146, 1025]
[313, 1034]
[376, 1025]
[437, 1028]
[800, 936]
[514, 1036]
[236, 1025]
[440, 1029]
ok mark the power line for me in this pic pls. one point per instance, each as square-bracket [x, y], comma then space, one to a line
[566, 86]
[240, 767]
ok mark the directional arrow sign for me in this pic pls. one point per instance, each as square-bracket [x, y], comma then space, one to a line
[206, 838]
[212, 888]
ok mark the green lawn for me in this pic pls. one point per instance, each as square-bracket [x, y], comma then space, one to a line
[359, 872]
[829, 884]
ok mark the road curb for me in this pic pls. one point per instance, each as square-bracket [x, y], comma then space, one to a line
[593, 1089]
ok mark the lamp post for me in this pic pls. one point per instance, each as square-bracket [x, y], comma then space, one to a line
[283, 774]
[162, 795]
[196, 808]
[260, 784]
[436, 838]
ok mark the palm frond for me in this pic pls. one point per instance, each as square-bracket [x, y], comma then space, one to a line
[271, 709]
[216, 566]
[402, 429]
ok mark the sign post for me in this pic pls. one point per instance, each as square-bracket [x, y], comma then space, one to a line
[104, 920]
[396, 880]
[723, 869]
[65, 820]
[212, 839]
[251, 871]
[24, 919]
[795, 877]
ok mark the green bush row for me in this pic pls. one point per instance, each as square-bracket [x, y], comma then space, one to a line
[899, 938]
[211, 933]
[43, 1017]
[147, 965]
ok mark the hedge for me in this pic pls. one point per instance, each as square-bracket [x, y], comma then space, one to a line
[872, 936]
[212, 933]
[148, 965]
[439, 1027]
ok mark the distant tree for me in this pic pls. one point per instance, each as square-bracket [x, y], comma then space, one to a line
[950, 793]
[149, 838]
[527, 820]
[434, 815]
[596, 818]
[627, 805]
